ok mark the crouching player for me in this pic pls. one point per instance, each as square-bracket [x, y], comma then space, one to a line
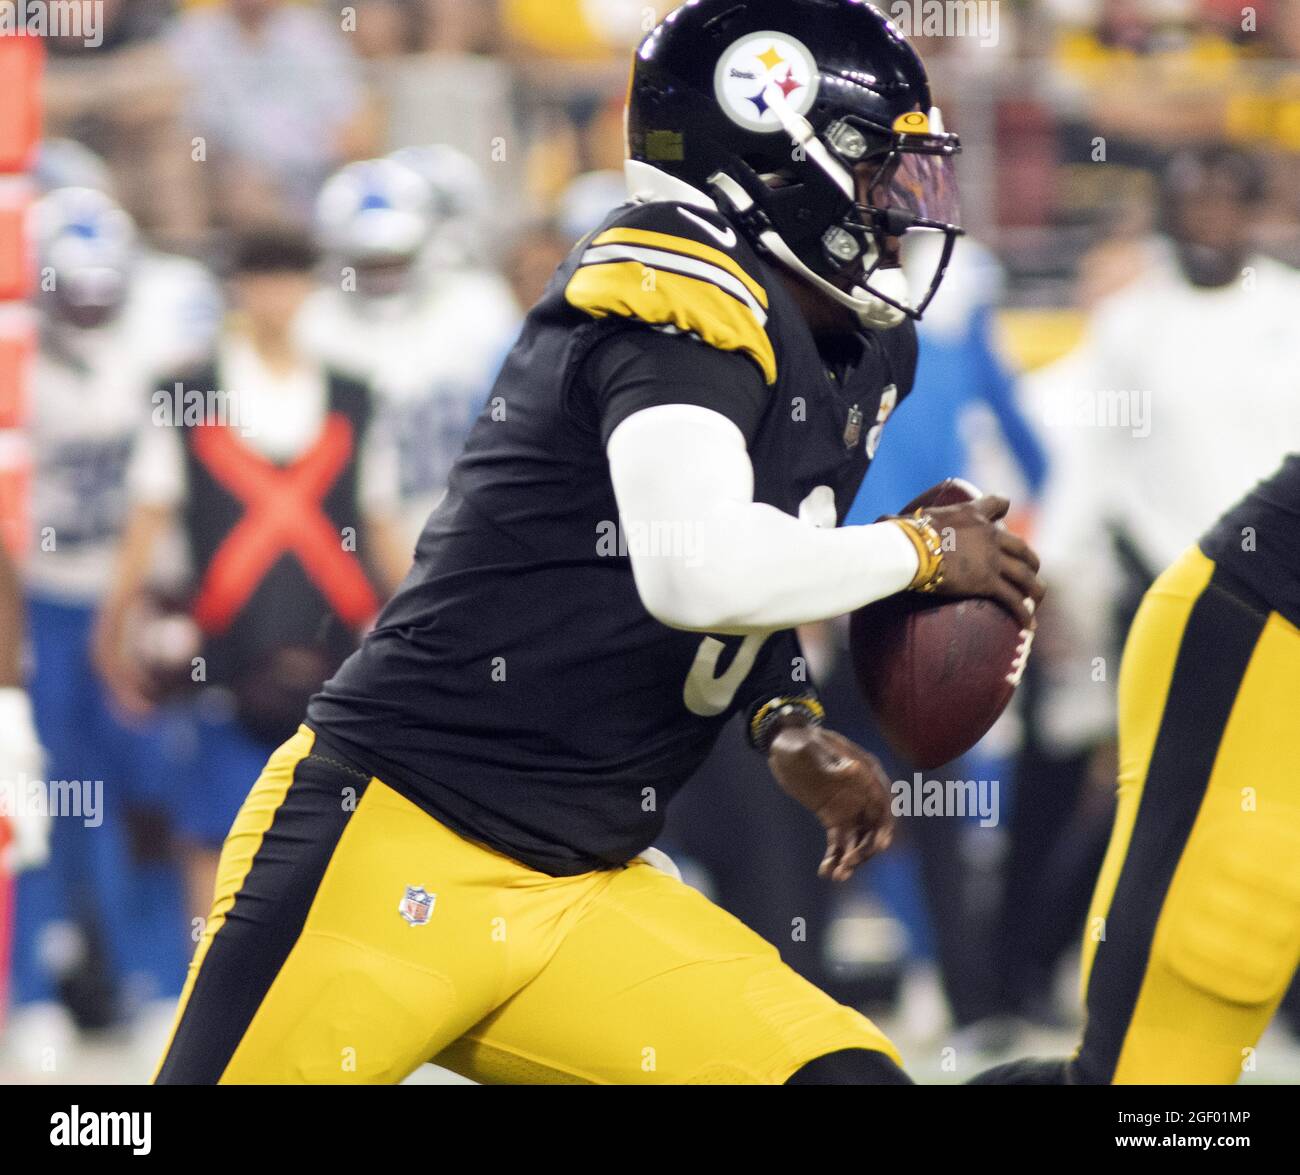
[449, 860]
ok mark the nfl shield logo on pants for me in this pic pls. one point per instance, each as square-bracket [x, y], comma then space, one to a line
[416, 905]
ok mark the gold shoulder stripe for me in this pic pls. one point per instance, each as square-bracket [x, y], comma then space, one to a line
[656, 296]
[684, 245]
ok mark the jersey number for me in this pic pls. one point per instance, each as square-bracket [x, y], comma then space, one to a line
[707, 694]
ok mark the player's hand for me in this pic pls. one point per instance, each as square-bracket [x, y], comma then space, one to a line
[125, 682]
[982, 558]
[843, 786]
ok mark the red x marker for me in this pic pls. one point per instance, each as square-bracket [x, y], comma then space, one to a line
[283, 514]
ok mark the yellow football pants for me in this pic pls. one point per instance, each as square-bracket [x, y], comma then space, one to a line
[353, 937]
[1194, 931]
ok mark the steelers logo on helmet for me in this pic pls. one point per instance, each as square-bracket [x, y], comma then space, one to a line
[758, 72]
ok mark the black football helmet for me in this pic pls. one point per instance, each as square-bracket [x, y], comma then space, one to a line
[808, 123]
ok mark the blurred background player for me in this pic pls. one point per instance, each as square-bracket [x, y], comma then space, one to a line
[462, 224]
[286, 499]
[102, 920]
[1181, 391]
[407, 306]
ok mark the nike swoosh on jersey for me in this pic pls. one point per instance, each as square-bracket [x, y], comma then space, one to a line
[725, 237]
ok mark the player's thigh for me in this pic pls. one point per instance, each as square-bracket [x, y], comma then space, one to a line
[317, 964]
[656, 984]
[1151, 655]
[1202, 931]
[1228, 939]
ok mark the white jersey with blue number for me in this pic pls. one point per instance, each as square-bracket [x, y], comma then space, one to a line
[430, 359]
[91, 391]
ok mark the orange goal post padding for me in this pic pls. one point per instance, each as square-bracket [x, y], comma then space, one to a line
[21, 61]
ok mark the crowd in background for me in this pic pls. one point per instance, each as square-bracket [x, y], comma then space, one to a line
[323, 198]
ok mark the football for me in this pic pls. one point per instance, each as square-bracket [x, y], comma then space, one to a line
[937, 672]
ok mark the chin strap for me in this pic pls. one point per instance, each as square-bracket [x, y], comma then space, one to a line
[870, 310]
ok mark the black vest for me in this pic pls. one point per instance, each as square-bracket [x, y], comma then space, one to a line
[272, 617]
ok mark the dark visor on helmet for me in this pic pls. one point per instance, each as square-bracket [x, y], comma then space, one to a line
[905, 181]
[923, 185]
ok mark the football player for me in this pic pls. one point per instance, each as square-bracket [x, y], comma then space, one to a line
[451, 859]
[113, 315]
[403, 311]
[1194, 931]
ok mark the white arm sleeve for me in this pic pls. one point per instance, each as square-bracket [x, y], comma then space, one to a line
[708, 558]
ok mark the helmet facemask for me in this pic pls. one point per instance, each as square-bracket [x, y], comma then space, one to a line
[841, 214]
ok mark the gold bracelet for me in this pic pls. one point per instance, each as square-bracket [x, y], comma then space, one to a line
[919, 528]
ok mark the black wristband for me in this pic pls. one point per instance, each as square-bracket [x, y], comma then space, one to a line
[764, 720]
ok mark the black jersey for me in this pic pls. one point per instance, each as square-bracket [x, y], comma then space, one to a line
[515, 687]
[1257, 542]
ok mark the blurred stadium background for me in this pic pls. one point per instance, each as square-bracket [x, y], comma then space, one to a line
[206, 120]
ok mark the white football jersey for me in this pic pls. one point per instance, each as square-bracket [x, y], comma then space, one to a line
[430, 359]
[1179, 401]
[91, 391]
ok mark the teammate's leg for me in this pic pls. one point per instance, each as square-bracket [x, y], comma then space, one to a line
[1194, 931]
[655, 984]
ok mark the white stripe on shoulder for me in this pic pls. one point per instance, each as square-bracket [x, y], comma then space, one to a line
[677, 263]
